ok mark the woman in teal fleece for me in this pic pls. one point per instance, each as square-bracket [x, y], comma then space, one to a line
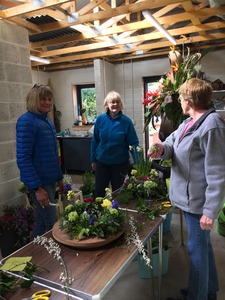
[197, 184]
[37, 156]
[113, 134]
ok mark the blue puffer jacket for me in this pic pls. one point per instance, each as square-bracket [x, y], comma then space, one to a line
[37, 152]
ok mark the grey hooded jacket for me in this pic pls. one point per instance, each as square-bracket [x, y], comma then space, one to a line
[197, 183]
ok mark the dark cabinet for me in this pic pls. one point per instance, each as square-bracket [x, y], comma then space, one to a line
[75, 152]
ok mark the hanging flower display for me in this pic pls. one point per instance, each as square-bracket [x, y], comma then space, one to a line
[165, 99]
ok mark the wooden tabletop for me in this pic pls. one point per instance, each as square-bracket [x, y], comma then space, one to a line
[20, 294]
[94, 271]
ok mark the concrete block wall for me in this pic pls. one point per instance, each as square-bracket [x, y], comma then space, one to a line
[15, 82]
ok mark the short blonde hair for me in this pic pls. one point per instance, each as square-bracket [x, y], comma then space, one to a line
[113, 96]
[38, 92]
[198, 92]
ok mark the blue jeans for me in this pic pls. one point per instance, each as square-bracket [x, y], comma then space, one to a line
[105, 174]
[45, 217]
[203, 278]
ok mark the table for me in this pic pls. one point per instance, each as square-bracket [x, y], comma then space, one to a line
[19, 293]
[94, 270]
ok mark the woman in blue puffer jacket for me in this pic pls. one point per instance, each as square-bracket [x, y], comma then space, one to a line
[37, 156]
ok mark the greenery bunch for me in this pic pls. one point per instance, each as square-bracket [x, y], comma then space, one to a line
[20, 219]
[164, 100]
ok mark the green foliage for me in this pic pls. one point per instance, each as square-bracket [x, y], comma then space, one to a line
[89, 102]
[8, 281]
[150, 209]
[165, 99]
[155, 243]
[98, 217]
[20, 219]
[88, 186]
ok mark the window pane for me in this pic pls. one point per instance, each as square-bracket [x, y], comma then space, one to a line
[88, 99]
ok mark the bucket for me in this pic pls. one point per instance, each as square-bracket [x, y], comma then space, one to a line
[167, 223]
[144, 270]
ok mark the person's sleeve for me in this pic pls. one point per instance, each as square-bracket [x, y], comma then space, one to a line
[94, 142]
[25, 142]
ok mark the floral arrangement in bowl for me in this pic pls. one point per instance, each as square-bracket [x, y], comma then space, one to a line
[99, 217]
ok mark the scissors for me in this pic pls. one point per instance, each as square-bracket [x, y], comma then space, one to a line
[40, 295]
[166, 204]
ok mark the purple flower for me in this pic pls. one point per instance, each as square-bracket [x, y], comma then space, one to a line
[92, 219]
[115, 204]
[67, 187]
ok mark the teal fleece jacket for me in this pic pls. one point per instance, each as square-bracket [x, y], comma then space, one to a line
[112, 138]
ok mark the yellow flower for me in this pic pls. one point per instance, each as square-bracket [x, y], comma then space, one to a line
[133, 172]
[106, 203]
[70, 195]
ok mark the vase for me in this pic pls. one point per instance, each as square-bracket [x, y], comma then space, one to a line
[8, 239]
[144, 270]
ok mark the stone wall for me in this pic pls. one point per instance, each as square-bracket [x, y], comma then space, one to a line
[15, 82]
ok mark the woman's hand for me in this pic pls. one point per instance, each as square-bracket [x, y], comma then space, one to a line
[61, 186]
[42, 197]
[156, 150]
[206, 223]
[93, 166]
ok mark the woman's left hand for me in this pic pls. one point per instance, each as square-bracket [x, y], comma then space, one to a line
[206, 223]
[61, 186]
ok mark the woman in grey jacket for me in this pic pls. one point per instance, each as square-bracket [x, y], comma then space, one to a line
[197, 184]
[37, 156]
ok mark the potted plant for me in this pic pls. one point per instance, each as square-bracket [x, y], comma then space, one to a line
[16, 225]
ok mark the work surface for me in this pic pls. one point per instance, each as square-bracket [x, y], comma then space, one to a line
[94, 270]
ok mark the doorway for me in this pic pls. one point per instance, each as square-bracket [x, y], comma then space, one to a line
[151, 83]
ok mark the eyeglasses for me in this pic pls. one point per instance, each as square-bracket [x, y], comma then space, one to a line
[182, 98]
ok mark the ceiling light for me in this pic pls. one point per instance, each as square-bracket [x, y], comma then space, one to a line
[139, 52]
[155, 23]
[72, 18]
[38, 3]
[39, 59]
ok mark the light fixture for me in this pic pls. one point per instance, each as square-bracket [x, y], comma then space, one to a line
[39, 59]
[157, 25]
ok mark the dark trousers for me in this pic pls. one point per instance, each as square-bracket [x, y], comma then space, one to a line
[105, 174]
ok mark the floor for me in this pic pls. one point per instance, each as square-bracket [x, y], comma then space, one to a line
[131, 287]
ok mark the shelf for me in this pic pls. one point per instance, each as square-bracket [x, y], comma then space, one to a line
[82, 128]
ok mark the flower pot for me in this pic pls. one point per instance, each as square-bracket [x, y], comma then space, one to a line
[8, 239]
[144, 270]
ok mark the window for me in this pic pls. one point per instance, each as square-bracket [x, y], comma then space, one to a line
[85, 102]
